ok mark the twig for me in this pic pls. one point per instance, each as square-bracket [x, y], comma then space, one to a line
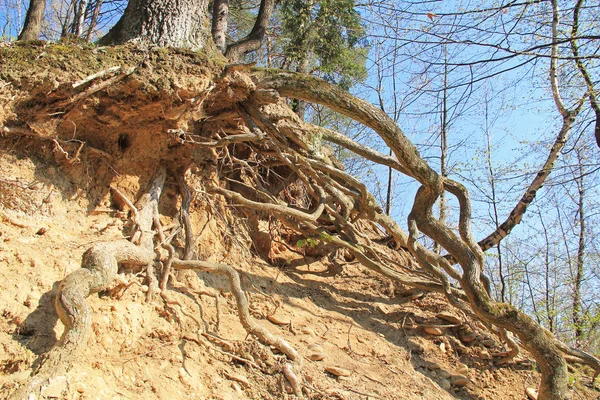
[97, 87]
[238, 358]
[369, 395]
[96, 75]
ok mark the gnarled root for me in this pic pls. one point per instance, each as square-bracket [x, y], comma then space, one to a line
[242, 303]
[99, 267]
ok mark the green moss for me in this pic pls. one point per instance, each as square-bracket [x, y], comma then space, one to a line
[27, 64]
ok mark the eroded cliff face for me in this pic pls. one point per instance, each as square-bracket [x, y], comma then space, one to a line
[84, 128]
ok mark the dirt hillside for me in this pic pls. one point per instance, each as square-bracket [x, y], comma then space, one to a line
[360, 336]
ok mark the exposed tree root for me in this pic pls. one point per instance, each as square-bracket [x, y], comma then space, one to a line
[99, 267]
[259, 158]
[242, 304]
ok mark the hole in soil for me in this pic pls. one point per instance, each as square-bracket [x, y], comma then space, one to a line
[123, 142]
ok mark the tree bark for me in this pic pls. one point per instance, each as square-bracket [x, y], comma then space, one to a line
[33, 20]
[164, 23]
[253, 40]
[219, 23]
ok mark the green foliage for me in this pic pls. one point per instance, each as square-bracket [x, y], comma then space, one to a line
[311, 243]
[327, 33]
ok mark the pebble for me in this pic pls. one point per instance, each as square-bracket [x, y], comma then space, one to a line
[459, 380]
[433, 331]
[484, 354]
[337, 371]
[444, 374]
[446, 316]
[468, 338]
[463, 369]
[416, 296]
[316, 356]
[307, 331]
[278, 320]
[443, 347]
[445, 384]
[489, 342]
[144, 288]
[432, 365]
[532, 394]
[315, 347]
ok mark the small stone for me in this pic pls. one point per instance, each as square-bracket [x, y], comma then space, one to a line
[489, 342]
[316, 356]
[307, 331]
[445, 384]
[484, 354]
[416, 296]
[315, 347]
[468, 337]
[278, 320]
[432, 365]
[443, 347]
[459, 380]
[337, 371]
[444, 374]
[446, 316]
[434, 331]
[463, 369]
[531, 393]
[144, 288]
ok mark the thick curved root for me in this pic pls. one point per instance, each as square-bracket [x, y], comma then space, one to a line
[99, 268]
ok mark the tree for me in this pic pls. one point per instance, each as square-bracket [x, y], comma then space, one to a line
[33, 20]
[337, 201]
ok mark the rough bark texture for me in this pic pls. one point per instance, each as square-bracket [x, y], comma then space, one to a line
[33, 20]
[253, 40]
[219, 23]
[182, 23]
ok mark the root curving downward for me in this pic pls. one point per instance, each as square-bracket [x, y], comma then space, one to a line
[99, 268]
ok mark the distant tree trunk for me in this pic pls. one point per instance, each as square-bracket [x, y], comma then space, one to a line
[94, 21]
[164, 23]
[79, 18]
[33, 20]
[577, 312]
[219, 23]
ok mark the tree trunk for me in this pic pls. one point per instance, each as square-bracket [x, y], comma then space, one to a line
[164, 23]
[33, 20]
[219, 23]
[577, 306]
